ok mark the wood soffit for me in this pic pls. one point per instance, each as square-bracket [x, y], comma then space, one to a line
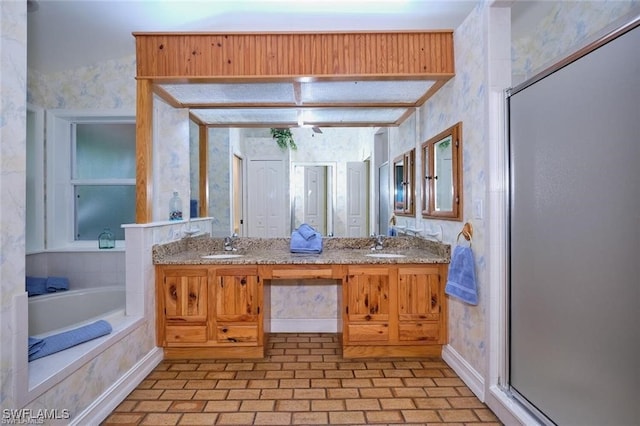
[337, 79]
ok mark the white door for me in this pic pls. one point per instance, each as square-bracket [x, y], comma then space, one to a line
[315, 197]
[357, 199]
[266, 204]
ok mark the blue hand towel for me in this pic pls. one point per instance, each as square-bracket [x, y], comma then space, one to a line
[301, 245]
[36, 286]
[67, 339]
[307, 231]
[462, 276]
[57, 284]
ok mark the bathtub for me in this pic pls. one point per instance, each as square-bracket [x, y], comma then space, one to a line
[73, 308]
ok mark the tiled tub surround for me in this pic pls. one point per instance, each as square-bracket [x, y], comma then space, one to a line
[223, 307]
[336, 250]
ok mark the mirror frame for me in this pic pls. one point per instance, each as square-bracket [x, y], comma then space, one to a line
[406, 205]
[430, 179]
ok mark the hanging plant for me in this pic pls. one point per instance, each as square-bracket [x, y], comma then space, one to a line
[284, 138]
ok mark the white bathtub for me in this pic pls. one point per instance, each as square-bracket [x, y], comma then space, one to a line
[66, 309]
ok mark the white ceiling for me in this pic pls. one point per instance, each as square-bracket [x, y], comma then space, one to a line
[67, 34]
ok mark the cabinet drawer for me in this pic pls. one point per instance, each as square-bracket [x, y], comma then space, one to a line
[237, 333]
[419, 331]
[186, 333]
[368, 332]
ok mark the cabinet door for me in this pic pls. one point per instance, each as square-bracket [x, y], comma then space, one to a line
[185, 295]
[419, 304]
[368, 294]
[237, 297]
[367, 307]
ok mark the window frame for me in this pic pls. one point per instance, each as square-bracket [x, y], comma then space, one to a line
[60, 152]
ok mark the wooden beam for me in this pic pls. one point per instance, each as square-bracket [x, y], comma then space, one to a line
[144, 151]
[276, 55]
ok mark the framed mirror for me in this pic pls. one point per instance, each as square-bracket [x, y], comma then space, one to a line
[403, 186]
[442, 174]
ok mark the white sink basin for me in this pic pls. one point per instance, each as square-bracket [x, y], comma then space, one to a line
[221, 256]
[385, 255]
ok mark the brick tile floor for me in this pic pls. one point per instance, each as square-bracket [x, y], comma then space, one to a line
[303, 380]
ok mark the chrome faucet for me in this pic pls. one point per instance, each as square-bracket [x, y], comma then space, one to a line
[378, 243]
[228, 242]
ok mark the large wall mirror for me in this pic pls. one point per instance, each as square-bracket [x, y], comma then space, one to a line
[403, 183]
[324, 182]
[442, 174]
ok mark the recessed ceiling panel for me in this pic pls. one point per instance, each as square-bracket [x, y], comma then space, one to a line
[357, 92]
[326, 103]
[294, 116]
[231, 93]
[344, 116]
[236, 116]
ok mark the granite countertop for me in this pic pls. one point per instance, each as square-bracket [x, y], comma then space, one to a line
[275, 251]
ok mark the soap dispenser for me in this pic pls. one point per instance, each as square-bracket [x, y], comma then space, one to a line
[106, 239]
[175, 207]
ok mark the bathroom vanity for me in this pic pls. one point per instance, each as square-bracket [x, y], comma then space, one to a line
[213, 303]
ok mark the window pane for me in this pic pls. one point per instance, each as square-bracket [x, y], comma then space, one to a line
[103, 206]
[105, 150]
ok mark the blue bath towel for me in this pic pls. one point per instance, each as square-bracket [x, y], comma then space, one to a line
[67, 339]
[35, 345]
[36, 286]
[57, 284]
[462, 276]
[300, 244]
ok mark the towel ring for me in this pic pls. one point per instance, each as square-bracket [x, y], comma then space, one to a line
[467, 233]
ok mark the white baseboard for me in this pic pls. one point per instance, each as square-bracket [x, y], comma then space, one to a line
[297, 325]
[467, 373]
[105, 404]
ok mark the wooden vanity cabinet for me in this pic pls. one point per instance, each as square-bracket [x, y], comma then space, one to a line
[209, 312]
[394, 310]
[218, 311]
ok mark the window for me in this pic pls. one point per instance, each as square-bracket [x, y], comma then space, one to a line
[103, 180]
[92, 177]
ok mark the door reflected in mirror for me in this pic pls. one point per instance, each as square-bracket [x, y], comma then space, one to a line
[312, 196]
[442, 174]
